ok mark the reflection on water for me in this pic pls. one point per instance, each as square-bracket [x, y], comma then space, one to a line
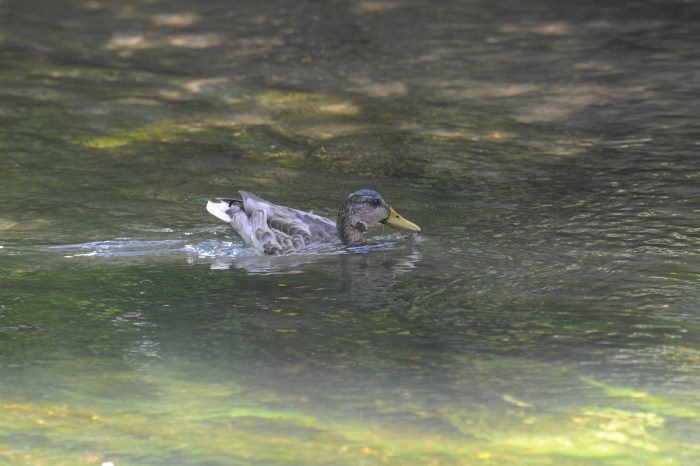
[369, 275]
[368, 271]
[548, 314]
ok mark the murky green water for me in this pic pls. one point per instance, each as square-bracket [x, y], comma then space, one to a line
[547, 315]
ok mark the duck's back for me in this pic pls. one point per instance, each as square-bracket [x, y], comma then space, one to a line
[276, 229]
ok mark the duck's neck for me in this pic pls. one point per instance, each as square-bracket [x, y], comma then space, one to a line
[349, 234]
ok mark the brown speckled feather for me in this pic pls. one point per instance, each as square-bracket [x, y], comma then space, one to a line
[280, 229]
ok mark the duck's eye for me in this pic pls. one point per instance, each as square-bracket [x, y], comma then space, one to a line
[376, 202]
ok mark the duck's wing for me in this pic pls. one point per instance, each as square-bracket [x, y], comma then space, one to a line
[253, 228]
[233, 214]
[283, 229]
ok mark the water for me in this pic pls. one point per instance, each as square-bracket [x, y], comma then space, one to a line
[548, 313]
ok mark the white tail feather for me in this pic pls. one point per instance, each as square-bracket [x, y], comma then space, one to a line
[219, 210]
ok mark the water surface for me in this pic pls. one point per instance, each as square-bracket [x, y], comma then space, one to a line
[548, 313]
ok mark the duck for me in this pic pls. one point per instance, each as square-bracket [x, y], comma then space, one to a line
[276, 229]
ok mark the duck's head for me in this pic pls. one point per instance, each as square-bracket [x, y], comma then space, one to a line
[364, 209]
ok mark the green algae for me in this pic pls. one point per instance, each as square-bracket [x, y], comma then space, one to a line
[288, 128]
[285, 128]
[139, 406]
[120, 399]
[305, 105]
[161, 132]
[647, 401]
[194, 421]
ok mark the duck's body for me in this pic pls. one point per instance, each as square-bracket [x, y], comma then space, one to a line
[275, 229]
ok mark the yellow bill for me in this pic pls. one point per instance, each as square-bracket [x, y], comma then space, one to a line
[397, 221]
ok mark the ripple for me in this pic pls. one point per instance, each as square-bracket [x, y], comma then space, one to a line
[119, 247]
[221, 254]
[216, 249]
